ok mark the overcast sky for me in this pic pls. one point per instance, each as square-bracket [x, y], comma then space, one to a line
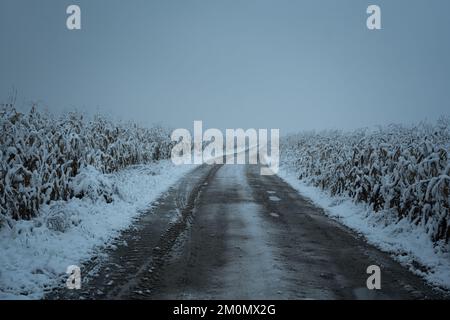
[293, 65]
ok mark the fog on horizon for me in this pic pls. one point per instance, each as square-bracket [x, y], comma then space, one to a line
[293, 65]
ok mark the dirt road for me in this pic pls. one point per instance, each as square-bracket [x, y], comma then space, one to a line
[226, 232]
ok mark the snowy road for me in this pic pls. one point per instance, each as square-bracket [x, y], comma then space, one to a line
[226, 232]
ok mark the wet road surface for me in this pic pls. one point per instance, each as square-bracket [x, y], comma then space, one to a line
[226, 232]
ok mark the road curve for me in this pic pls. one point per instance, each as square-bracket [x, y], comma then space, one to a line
[226, 232]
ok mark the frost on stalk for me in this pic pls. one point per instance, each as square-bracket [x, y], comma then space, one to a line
[41, 157]
[403, 170]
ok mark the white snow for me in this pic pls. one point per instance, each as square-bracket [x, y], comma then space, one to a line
[274, 198]
[35, 254]
[275, 215]
[407, 243]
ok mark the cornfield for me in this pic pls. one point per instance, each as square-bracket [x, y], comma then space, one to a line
[40, 155]
[405, 170]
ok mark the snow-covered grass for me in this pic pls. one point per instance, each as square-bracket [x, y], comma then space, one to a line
[35, 253]
[391, 185]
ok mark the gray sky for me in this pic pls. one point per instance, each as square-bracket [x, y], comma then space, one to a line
[288, 64]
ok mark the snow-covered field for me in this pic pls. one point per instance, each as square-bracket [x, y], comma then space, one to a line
[68, 186]
[40, 154]
[390, 185]
[407, 243]
[35, 253]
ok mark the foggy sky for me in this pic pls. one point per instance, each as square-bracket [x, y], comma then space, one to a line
[288, 64]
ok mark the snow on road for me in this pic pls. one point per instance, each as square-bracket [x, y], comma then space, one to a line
[251, 262]
[230, 239]
[35, 254]
[239, 244]
[407, 243]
